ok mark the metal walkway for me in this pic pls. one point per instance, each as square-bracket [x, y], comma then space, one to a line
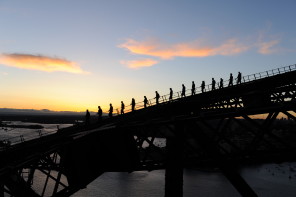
[222, 128]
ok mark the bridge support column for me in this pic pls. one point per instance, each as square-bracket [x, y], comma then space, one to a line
[18, 187]
[174, 163]
[1, 189]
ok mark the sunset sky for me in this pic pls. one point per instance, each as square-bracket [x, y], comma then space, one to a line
[70, 55]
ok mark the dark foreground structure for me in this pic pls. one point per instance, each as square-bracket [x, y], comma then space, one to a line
[212, 129]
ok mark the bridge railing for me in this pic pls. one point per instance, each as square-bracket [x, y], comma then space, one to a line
[6, 142]
[208, 87]
[269, 73]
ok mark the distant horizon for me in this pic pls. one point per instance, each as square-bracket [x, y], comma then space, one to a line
[38, 111]
[12, 111]
[101, 52]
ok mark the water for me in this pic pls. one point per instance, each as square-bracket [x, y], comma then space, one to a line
[270, 180]
[16, 135]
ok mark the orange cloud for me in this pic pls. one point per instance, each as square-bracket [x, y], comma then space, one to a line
[39, 62]
[139, 63]
[197, 48]
[3, 73]
[267, 47]
[230, 47]
[191, 49]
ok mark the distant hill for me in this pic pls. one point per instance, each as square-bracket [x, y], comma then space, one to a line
[42, 116]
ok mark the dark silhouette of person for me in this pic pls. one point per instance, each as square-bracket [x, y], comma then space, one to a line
[230, 80]
[157, 97]
[133, 104]
[100, 113]
[193, 88]
[239, 78]
[213, 84]
[110, 110]
[87, 117]
[122, 107]
[145, 101]
[203, 85]
[221, 83]
[171, 94]
[183, 91]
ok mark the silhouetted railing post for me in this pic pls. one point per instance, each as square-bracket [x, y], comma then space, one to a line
[174, 163]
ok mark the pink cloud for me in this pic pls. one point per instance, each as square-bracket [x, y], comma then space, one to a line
[196, 48]
[186, 49]
[230, 47]
[40, 62]
[267, 47]
[139, 63]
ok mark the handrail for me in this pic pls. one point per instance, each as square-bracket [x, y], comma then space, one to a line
[208, 87]
[164, 99]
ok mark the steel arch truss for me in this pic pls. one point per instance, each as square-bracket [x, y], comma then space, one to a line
[277, 96]
[40, 178]
[244, 137]
[151, 147]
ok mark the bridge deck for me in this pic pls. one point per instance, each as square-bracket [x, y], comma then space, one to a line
[213, 128]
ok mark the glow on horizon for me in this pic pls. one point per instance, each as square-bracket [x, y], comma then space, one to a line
[103, 52]
[52, 104]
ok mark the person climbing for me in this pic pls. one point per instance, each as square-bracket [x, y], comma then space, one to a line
[157, 97]
[133, 104]
[87, 117]
[145, 101]
[110, 110]
[203, 85]
[193, 88]
[183, 91]
[213, 84]
[221, 83]
[100, 112]
[171, 94]
[239, 78]
[122, 107]
[230, 80]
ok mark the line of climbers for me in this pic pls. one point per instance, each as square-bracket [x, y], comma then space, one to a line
[157, 96]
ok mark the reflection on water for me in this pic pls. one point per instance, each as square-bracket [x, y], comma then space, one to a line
[270, 180]
[151, 184]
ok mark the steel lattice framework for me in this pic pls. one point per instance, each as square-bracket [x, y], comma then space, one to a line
[223, 129]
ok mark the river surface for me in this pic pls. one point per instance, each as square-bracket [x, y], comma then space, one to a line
[270, 180]
[16, 135]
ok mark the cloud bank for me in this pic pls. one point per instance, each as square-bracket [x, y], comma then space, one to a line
[139, 63]
[40, 62]
[164, 51]
[267, 47]
[190, 49]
